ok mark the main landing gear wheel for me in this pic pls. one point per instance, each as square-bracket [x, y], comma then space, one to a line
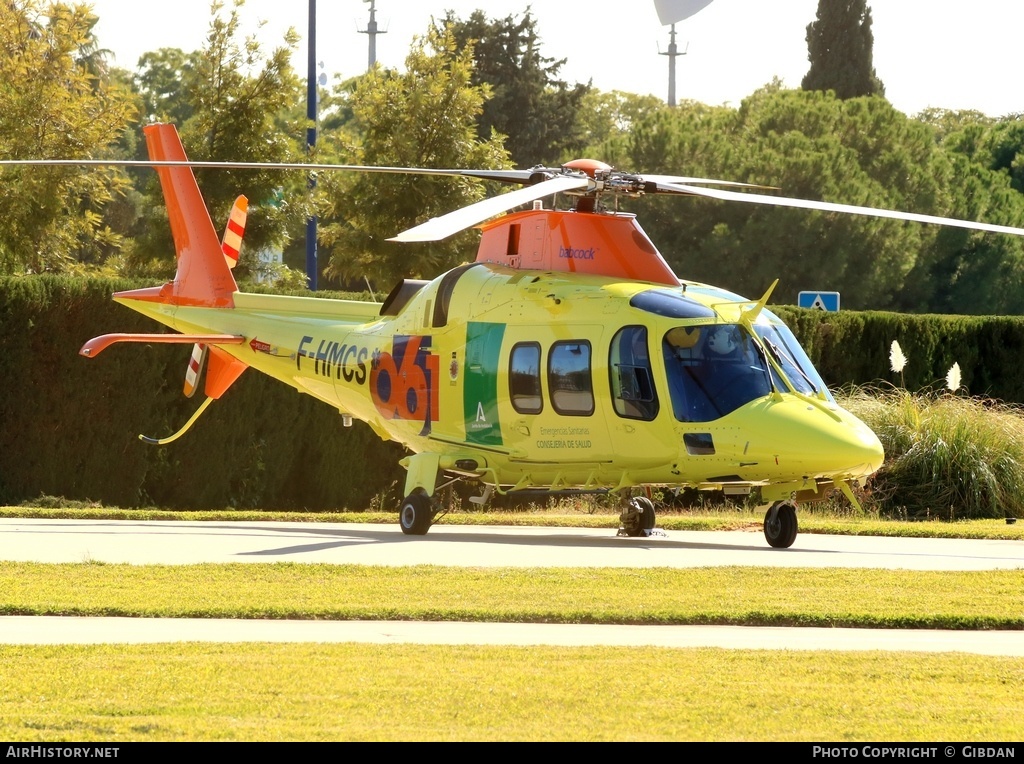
[638, 516]
[780, 526]
[416, 514]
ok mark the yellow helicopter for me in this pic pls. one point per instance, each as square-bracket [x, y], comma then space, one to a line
[568, 356]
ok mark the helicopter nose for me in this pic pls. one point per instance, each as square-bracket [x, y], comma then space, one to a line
[850, 449]
[820, 442]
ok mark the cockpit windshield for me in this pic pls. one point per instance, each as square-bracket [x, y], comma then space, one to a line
[713, 370]
[792, 359]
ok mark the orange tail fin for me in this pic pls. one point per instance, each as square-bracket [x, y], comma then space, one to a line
[203, 278]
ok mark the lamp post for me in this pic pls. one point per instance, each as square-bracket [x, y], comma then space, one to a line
[670, 12]
[673, 51]
[371, 31]
[311, 108]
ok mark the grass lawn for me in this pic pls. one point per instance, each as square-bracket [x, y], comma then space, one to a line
[256, 692]
[306, 692]
[731, 595]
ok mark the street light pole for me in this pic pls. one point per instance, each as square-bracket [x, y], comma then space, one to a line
[372, 30]
[311, 115]
[673, 53]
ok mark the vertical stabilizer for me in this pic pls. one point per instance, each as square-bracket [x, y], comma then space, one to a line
[202, 278]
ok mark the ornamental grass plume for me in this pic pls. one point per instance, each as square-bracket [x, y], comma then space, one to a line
[897, 361]
[953, 378]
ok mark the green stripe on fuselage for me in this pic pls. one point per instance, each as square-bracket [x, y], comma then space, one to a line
[480, 392]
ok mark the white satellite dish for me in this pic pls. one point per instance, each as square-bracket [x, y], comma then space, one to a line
[671, 11]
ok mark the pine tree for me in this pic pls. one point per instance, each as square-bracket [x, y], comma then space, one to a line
[839, 47]
[530, 104]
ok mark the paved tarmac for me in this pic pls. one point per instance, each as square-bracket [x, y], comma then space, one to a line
[182, 543]
[52, 630]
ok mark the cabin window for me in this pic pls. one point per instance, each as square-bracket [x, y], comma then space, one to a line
[713, 370]
[671, 304]
[569, 378]
[632, 384]
[524, 378]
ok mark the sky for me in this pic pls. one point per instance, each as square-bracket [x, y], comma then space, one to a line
[941, 53]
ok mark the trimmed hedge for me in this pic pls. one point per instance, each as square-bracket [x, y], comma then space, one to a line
[853, 348]
[68, 425]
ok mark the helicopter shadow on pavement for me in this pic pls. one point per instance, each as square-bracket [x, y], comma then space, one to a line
[439, 535]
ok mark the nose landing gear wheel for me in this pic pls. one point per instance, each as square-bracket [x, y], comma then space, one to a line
[780, 526]
[416, 514]
[638, 517]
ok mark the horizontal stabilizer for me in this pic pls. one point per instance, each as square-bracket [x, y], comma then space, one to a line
[97, 345]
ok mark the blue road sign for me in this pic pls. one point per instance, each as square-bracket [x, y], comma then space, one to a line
[819, 300]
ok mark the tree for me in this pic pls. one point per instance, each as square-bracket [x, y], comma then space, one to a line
[530, 105]
[52, 105]
[607, 118]
[91, 56]
[231, 97]
[859, 151]
[810, 145]
[424, 117]
[159, 80]
[971, 271]
[840, 48]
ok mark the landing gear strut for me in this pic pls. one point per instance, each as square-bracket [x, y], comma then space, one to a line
[637, 517]
[780, 526]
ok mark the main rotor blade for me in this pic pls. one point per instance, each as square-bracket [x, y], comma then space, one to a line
[504, 176]
[459, 220]
[851, 209]
[675, 179]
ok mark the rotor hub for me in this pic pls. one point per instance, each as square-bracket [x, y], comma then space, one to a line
[590, 167]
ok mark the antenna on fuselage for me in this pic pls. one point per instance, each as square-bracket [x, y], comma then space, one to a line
[372, 295]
